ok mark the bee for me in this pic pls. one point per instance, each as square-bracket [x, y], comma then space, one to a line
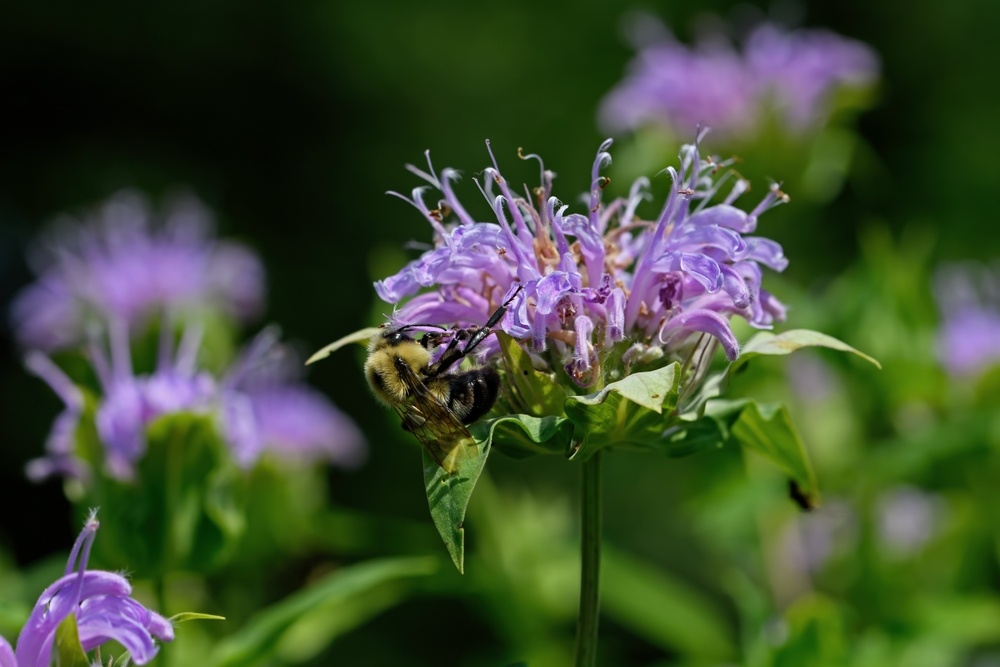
[435, 402]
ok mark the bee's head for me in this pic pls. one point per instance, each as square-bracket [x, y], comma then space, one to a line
[398, 335]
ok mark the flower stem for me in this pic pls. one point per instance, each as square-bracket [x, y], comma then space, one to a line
[590, 563]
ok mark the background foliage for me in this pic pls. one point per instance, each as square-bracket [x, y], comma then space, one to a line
[292, 120]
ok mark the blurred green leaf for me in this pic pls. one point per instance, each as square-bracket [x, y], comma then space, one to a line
[769, 431]
[816, 634]
[304, 623]
[629, 412]
[957, 621]
[662, 609]
[186, 502]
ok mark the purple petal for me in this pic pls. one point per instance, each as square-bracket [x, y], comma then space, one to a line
[298, 423]
[616, 315]
[724, 215]
[706, 321]
[767, 252]
[6, 654]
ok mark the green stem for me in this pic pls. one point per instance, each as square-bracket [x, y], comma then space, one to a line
[590, 563]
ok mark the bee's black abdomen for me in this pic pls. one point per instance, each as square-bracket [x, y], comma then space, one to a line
[473, 393]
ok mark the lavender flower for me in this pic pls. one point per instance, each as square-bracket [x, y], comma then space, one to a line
[103, 608]
[907, 519]
[791, 74]
[126, 264]
[265, 409]
[969, 299]
[255, 409]
[590, 281]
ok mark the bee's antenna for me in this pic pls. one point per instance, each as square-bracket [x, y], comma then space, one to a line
[413, 326]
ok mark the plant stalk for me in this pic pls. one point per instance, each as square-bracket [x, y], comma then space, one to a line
[590, 563]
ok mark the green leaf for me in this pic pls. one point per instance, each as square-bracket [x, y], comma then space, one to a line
[691, 437]
[531, 392]
[185, 616]
[187, 501]
[124, 660]
[521, 436]
[767, 343]
[69, 652]
[303, 624]
[629, 412]
[769, 431]
[448, 494]
[361, 336]
[662, 608]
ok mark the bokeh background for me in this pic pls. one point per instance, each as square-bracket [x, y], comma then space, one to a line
[292, 120]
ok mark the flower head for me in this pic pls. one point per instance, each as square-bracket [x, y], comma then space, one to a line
[125, 264]
[103, 608]
[581, 283]
[791, 74]
[255, 407]
[969, 299]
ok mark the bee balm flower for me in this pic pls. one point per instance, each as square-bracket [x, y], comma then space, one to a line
[125, 265]
[598, 279]
[103, 608]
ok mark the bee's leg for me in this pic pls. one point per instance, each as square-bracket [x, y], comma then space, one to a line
[487, 329]
[451, 353]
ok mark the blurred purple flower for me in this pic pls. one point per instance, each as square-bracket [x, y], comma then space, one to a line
[264, 408]
[104, 611]
[59, 444]
[968, 296]
[792, 74]
[124, 263]
[256, 409]
[589, 281]
[907, 518]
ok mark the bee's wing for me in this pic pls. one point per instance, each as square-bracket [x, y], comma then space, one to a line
[437, 428]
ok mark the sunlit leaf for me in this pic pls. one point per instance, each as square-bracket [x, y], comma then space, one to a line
[631, 412]
[362, 336]
[767, 343]
[69, 652]
[185, 616]
[303, 624]
[448, 495]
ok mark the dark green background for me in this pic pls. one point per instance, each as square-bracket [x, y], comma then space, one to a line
[291, 120]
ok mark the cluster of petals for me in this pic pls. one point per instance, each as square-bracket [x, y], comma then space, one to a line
[104, 611]
[968, 297]
[789, 73]
[257, 405]
[580, 282]
[126, 263]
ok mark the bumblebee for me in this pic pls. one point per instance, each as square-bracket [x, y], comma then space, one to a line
[435, 402]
